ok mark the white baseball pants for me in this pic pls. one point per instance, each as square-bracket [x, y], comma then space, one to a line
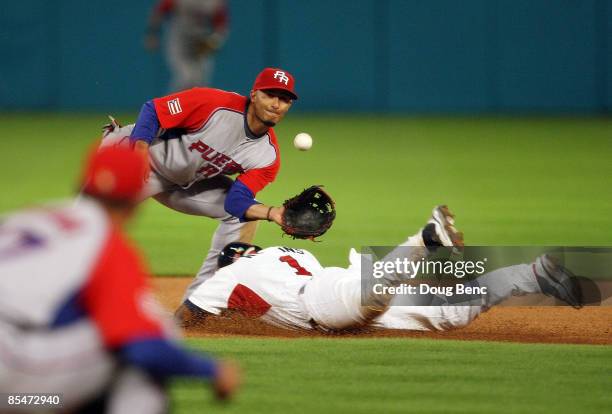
[333, 299]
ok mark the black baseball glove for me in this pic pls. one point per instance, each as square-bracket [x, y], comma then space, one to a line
[309, 214]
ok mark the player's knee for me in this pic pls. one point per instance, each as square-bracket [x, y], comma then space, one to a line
[459, 317]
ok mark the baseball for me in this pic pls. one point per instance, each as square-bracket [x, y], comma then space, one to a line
[302, 141]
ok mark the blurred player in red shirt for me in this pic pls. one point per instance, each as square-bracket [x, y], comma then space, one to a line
[196, 30]
[77, 316]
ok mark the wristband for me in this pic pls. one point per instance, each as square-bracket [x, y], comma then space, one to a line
[268, 215]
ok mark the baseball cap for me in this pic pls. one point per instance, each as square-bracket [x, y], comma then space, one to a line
[115, 173]
[275, 78]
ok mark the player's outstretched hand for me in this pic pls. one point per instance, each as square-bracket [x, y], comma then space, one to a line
[309, 214]
[276, 215]
[228, 380]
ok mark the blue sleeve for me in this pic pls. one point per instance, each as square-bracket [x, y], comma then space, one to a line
[238, 200]
[147, 125]
[162, 358]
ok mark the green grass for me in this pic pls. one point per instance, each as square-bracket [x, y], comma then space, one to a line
[511, 181]
[402, 375]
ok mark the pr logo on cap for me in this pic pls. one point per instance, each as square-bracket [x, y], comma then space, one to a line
[281, 76]
[275, 78]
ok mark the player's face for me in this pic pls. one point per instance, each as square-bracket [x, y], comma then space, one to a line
[270, 105]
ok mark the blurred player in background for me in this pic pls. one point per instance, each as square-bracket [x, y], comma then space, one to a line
[289, 288]
[197, 138]
[197, 29]
[76, 313]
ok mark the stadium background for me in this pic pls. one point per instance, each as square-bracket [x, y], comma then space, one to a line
[499, 108]
[445, 56]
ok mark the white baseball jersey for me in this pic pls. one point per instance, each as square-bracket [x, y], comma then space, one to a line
[71, 288]
[289, 288]
[64, 263]
[46, 254]
[266, 285]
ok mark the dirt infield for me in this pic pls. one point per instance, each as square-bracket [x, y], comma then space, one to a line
[534, 324]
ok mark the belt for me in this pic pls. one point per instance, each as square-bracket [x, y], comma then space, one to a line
[313, 324]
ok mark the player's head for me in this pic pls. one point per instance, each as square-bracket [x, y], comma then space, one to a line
[234, 251]
[272, 95]
[115, 175]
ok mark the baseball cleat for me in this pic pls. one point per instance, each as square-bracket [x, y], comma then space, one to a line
[440, 229]
[110, 127]
[556, 280]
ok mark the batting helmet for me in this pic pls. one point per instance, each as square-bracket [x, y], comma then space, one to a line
[234, 251]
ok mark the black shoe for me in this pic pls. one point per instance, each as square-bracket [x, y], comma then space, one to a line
[558, 281]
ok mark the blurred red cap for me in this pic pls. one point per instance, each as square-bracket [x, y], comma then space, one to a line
[115, 173]
[274, 78]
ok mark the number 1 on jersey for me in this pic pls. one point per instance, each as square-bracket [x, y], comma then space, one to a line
[299, 270]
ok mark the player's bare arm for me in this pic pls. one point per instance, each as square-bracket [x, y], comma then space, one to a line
[141, 146]
[307, 215]
[264, 212]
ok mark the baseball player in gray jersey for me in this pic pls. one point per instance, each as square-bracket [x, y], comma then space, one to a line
[197, 29]
[197, 138]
